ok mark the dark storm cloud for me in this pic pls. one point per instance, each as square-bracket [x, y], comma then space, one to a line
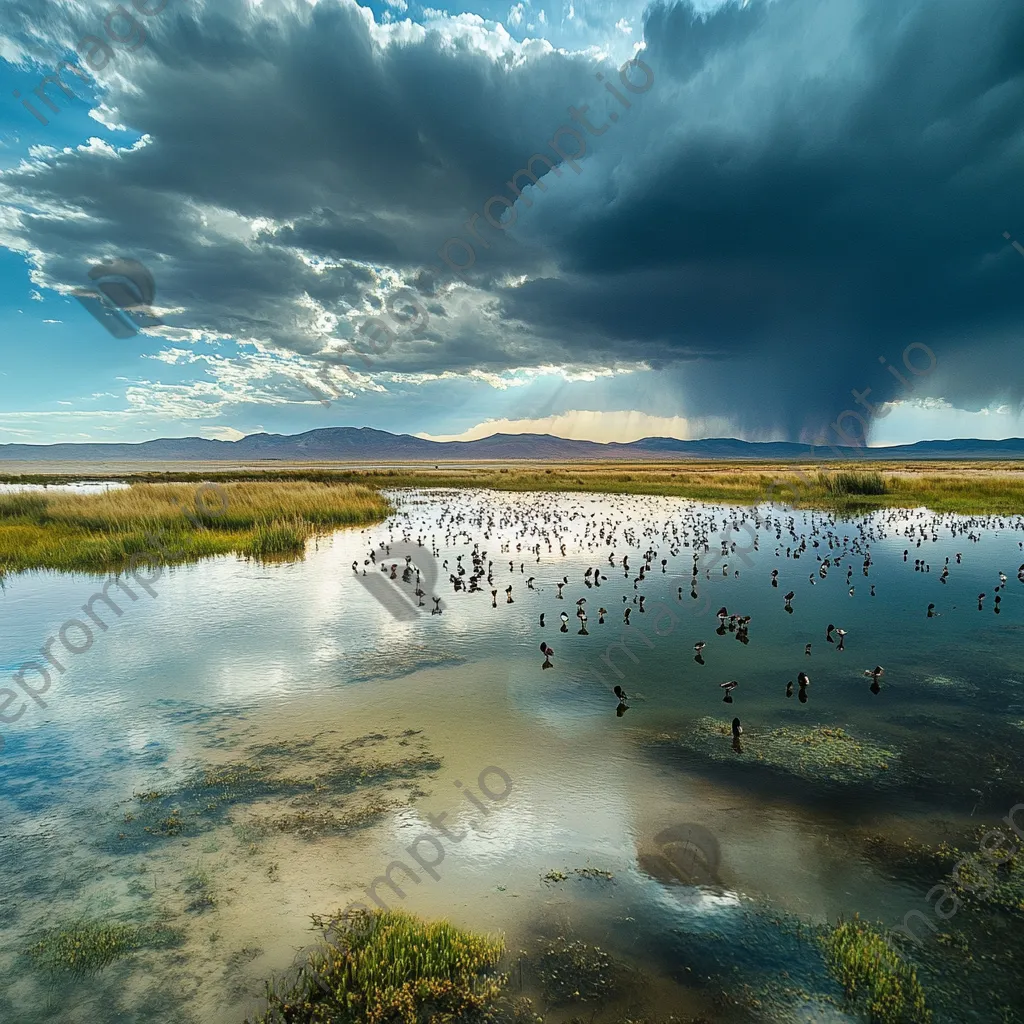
[806, 187]
[839, 193]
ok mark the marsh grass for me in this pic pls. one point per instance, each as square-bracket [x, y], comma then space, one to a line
[104, 532]
[390, 967]
[873, 975]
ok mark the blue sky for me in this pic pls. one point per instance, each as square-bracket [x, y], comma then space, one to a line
[801, 190]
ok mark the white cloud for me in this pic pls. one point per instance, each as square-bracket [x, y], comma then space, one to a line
[624, 26]
[515, 15]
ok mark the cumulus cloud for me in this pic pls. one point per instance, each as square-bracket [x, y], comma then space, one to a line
[803, 189]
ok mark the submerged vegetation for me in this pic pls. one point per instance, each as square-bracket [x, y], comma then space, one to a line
[118, 528]
[992, 880]
[817, 754]
[573, 972]
[83, 947]
[310, 790]
[390, 967]
[873, 975]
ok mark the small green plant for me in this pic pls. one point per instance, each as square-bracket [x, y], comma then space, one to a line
[390, 968]
[873, 975]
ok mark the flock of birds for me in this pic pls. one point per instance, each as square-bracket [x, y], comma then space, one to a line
[701, 536]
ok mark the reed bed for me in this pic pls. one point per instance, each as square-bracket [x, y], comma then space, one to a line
[105, 532]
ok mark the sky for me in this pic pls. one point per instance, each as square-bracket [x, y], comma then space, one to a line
[776, 207]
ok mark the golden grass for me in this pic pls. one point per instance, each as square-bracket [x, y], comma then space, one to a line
[175, 522]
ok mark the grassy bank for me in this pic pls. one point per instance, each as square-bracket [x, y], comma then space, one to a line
[175, 522]
[965, 487]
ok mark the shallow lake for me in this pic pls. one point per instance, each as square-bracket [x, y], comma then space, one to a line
[238, 746]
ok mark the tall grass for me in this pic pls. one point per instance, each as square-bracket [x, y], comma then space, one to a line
[105, 532]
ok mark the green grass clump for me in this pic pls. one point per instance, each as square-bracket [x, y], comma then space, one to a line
[84, 947]
[278, 539]
[873, 976]
[391, 968]
[843, 483]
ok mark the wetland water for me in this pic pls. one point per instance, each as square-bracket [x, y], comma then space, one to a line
[257, 743]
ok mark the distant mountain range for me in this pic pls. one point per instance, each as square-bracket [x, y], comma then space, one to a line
[363, 444]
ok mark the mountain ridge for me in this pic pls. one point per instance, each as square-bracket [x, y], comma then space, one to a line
[367, 444]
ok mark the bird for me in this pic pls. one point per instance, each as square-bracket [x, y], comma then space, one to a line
[729, 687]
